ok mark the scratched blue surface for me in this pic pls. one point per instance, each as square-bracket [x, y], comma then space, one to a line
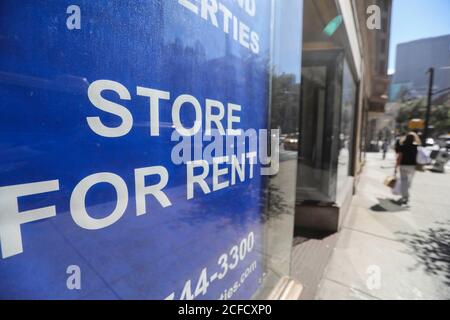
[45, 70]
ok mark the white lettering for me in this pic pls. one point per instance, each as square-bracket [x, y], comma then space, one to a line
[210, 8]
[218, 173]
[192, 179]
[252, 156]
[11, 218]
[94, 93]
[78, 198]
[244, 34]
[156, 190]
[176, 109]
[216, 118]
[227, 15]
[233, 119]
[189, 5]
[236, 168]
[155, 96]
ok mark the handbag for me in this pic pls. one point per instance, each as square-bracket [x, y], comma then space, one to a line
[390, 181]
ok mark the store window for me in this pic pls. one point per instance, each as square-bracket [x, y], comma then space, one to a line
[327, 107]
[319, 119]
[327, 120]
[284, 110]
[347, 115]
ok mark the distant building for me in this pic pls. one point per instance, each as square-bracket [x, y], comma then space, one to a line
[412, 63]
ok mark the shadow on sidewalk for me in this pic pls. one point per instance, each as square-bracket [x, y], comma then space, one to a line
[432, 247]
[387, 205]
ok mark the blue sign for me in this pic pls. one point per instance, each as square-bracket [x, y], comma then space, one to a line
[96, 201]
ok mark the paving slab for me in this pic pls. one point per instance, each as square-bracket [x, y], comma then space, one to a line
[330, 290]
[385, 251]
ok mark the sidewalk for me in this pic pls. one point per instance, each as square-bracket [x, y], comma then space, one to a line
[387, 252]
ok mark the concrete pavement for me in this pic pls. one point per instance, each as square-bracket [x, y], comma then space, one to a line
[385, 251]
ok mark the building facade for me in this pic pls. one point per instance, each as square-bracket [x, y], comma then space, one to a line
[136, 156]
[351, 62]
[412, 63]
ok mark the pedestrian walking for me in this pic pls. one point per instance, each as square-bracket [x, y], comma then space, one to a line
[385, 148]
[406, 162]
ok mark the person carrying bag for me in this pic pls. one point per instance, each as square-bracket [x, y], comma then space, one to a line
[397, 186]
[407, 161]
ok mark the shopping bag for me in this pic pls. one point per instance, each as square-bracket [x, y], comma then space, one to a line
[397, 190]
[390, 181]
[423, 156]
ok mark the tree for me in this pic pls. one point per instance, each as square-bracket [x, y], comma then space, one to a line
[285, 102]
[416, 109]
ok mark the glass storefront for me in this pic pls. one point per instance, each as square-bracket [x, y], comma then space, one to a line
[121, 157]
[346, 126]
[320, 108]
[285, 94]
[327, 113]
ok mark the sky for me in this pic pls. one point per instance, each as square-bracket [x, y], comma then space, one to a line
[417, 19]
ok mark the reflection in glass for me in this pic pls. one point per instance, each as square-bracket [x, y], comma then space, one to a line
[346, 126]
[319, 125]
[285, 94]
